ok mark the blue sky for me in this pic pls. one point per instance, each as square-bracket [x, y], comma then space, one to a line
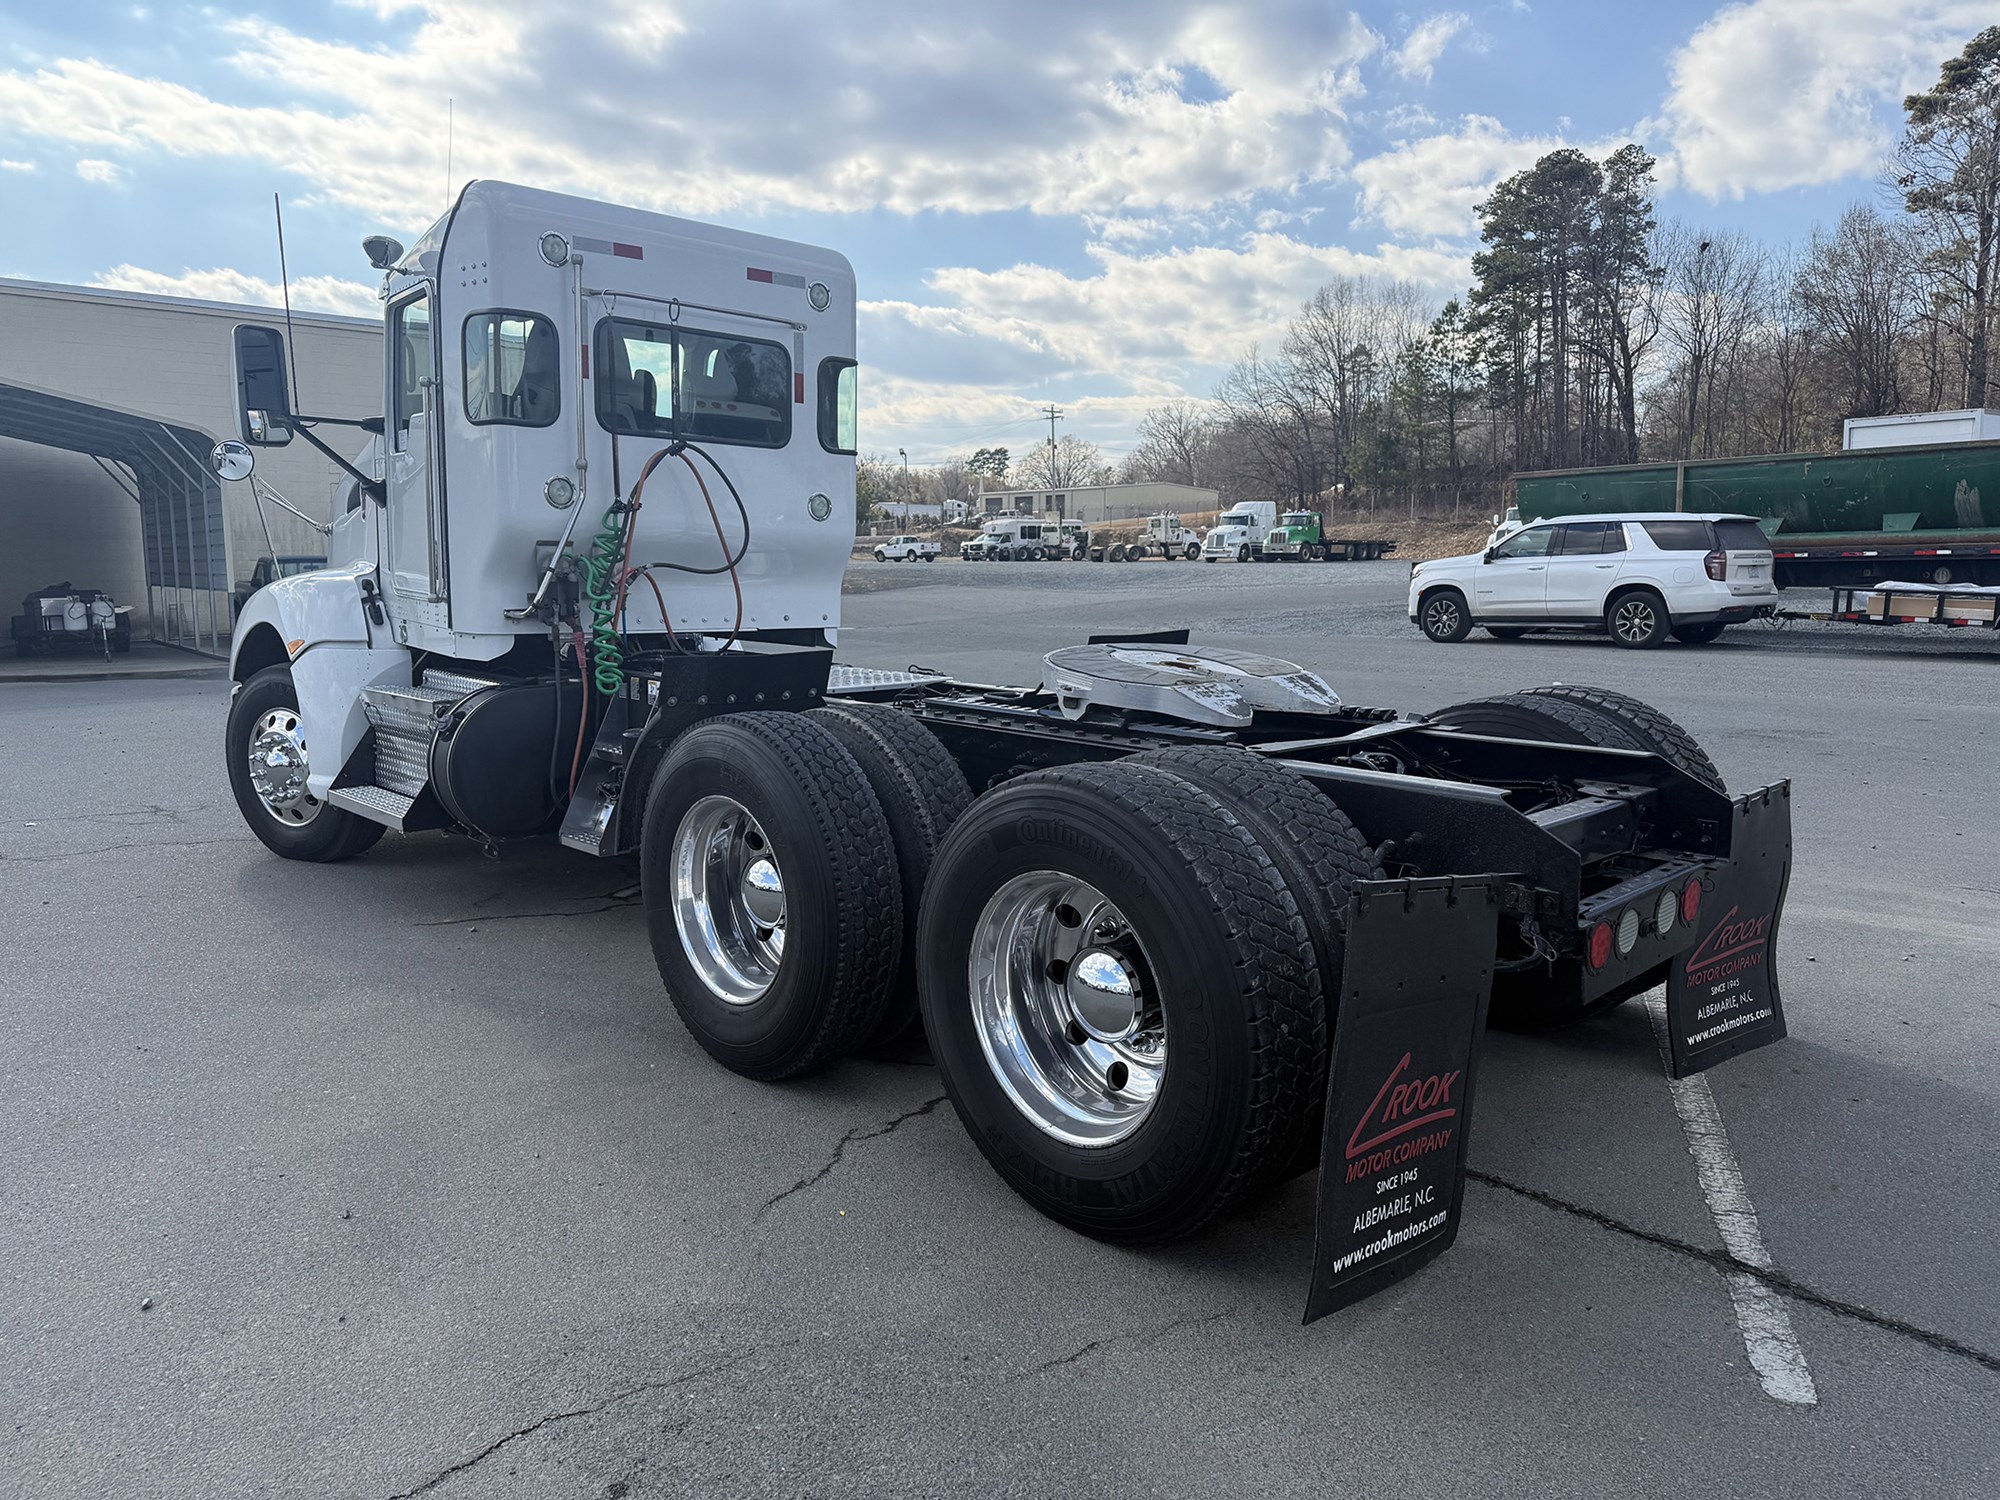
[1099, 205]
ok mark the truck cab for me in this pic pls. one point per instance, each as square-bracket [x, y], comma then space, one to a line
[1296, 537]
[1240, 532]
[604, 432]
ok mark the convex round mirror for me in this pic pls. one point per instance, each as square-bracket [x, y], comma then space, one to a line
[231, 459]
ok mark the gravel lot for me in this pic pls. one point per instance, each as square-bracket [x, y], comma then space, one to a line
[402, 1178]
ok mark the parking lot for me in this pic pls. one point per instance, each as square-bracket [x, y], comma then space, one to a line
[401, 1177]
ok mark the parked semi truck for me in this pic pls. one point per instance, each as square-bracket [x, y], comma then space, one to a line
[1164, 536]
[1923, 513]
[1178, 924]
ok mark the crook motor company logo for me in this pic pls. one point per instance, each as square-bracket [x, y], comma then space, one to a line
[1735, 944]
[1392, 1130]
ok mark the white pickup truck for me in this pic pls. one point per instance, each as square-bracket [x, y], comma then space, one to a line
[907, 549]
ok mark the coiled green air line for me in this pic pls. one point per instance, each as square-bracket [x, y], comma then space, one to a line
[600, 590]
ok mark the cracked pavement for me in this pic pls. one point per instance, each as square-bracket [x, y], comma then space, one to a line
[388, 1180]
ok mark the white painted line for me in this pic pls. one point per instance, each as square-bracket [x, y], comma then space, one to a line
[1761, 1314]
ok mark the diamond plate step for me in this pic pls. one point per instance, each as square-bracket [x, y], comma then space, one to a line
[375, 803]
[456, 683]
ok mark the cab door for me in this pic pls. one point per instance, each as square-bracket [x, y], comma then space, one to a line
[1583, 561]
[1513, 581]
[415, 498]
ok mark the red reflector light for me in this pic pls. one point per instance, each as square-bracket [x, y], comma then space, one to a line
[1600, 945]
[1717, 565]
[799, 389]
[1691, 903]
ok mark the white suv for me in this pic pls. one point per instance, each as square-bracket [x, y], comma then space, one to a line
[1639, 577]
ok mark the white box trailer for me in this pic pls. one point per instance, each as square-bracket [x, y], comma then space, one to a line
[1177, 923]
[1920, 429]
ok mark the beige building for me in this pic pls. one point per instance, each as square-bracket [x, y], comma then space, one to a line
[109, 404]
[1094, 503]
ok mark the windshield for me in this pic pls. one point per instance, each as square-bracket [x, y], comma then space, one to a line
[1234, 520]
[1297, 518]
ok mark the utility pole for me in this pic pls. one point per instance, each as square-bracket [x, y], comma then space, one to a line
[905, 455]
[1054, 414]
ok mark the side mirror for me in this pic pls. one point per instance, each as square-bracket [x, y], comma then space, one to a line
[231, 460]
[263, 398]
[1491, 553]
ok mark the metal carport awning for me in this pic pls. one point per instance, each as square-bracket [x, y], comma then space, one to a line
[180, 502]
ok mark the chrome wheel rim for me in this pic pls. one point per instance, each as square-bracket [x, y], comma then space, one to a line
[1636, 620]
[729, 900]
[1066, 1008]
[1441, 615]
[278, 768]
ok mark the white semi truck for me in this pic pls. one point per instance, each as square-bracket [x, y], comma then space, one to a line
[1169, 918]
[1240, 531]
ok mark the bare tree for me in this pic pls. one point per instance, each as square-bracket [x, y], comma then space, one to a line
[1855, 285]
[1714, 287]
[1176, 444]
[1063, 465]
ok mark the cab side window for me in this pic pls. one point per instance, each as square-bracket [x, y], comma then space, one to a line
[512, 369]
[410, 347]
[1530, 543]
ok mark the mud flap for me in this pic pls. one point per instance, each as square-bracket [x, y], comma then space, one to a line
[1406, 1042]
[1722, 994]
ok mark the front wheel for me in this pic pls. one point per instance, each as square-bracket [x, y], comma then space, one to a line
[1444, 617]
[265, 742]
[1639, 620]
[1243, 553]
[1190, 551]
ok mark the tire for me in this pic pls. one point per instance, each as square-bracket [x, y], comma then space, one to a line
[1644, 727]
[1135, 552]
[1505, 632]
[928, 557]
[1322, 856]
[1638, 619]
[1444, 616]
[922, 793]
[1220, 940]
[1243, 553]
[1698, 635]
[309, 830]
[1191, 551]
[777, 789]
[1078, 552]
[1116, 552]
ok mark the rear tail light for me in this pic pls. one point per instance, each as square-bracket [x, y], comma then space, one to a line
[1691, 903]
[1717, 564]
[1600, 945]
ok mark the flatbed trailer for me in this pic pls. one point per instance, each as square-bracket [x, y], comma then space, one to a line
[1177, 924]
[1893, 603]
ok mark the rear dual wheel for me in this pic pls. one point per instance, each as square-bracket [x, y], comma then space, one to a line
[1124, 983]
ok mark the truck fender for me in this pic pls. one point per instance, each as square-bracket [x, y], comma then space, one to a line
[318, 623]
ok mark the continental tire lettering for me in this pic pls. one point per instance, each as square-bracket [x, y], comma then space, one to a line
[1065, 836]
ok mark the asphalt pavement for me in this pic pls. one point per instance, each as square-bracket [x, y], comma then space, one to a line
[401, 1177]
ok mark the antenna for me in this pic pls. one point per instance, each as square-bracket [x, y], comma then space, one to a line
[285, 281]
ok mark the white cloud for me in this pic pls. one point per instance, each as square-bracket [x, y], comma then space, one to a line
[309, 293]
[91, 169]
[1776, 94]
[1426, 43]
[1139, 105]
[1430, 186]
[1155, 324]
[8, 165]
